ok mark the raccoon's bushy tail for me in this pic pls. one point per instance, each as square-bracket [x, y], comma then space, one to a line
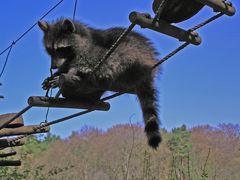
[147, 96]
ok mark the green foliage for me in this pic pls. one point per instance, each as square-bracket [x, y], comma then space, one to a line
[11, 173]
[179, 143]
[34, 146]
[180, 147]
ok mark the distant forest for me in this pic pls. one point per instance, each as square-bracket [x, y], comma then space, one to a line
[121, 153]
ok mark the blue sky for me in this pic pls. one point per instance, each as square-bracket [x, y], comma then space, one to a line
[198, 86]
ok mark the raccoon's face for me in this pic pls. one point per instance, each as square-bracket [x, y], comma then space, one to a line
[59, 41]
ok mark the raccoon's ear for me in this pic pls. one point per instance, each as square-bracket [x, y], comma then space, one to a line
[43, 26]
[69, 26]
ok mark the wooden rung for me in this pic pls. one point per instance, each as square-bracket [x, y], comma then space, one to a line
[5, 143]
[145, 21]
[220, 6]
[8, 154]
[18, 122]
[42, 101]
[23, 130]
[10, 163]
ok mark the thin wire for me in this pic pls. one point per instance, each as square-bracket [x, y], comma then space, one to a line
[6, 61]
[28, 30]
[75, 9]
[48, 108]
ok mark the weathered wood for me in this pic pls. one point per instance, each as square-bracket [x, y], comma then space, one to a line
[8, 154]
[220, 6]
[18, 122]
[145, 21]
[23, 130]
[41, 101]
[5, 123]
[5, 143]
[10, 163]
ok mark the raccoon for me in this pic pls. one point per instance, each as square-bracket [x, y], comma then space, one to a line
[75, 49]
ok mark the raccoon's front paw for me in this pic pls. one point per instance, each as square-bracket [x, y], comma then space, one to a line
[54, 82]
[50, 82]
[45, 83]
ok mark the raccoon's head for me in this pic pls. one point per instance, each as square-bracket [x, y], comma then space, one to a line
[59, 41]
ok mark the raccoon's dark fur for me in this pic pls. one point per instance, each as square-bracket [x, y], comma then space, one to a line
[75, 49]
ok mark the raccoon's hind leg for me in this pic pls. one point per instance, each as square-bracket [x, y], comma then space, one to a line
[147, 96]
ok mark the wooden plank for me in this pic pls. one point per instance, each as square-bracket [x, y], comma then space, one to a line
[18, 122]
[42, 101]
[23, 131]
[10, 163]
[5, 124]
[8, 154]
[5, 143]
[145, 21]
[220, 6]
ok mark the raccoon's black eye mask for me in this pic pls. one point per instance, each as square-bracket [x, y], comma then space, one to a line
[62, 52]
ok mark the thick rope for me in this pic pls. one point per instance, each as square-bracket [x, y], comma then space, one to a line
[113, 47]
[206, 22]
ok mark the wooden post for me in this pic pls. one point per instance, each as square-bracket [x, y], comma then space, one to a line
[10, 163]
[18, 122]
[8, 154]
[145, 21]
[5, 143]
[23, 131]
[42, 101]
[220, 6]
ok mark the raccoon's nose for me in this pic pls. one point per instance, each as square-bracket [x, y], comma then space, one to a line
[53, 66]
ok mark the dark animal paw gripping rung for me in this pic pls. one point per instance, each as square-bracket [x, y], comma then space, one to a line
[176, 11]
